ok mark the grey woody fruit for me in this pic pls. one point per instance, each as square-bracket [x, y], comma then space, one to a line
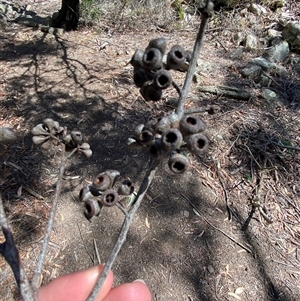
[137, 59]
[178, 163]
[141, 76]
[92, 208]
[126, 187]
[85, 149]
[176, 57]
[133, 144]
[40, 130]
[88, 192]
[102, 182]
[159, 43]
[152, 59]
[162, 79]
[109, 198]
[113, 175]
[162, 125]
[76, 137]
[151, 93]
[171, 139]
[197, 144]
[190, 124]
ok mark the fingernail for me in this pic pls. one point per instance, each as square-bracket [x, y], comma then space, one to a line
[139, 280]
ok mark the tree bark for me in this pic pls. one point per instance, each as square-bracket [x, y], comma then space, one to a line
[68, 15]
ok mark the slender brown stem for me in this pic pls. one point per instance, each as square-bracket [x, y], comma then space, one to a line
[35, 283]
[193, 62]
[11, 254]
[124, 230]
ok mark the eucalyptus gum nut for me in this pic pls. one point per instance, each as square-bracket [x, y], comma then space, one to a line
[109, 198]
[126, 188]
[67, 138]
[151, 124]
[85, 149]
[162, 79]
[76, 137]
[151, 93]
[113, 175]
[137, 59]
[7, 135]
[171, 139]
[156, 149]
[138, 130]
[49, 122]
[84, 146]
[190, 124]
[152, 59]
[133, 144]
[146, 137]
[159, 43]
[162, 125]
[47, 144]
[87, 152]
[178, 163]
[102, 182]
[39, 130]
[141, 76]
[176, 57]
[88, 192]
[38, 140]
[197, 144]
[92, 208]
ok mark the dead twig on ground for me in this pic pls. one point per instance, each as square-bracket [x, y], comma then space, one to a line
[214, 227]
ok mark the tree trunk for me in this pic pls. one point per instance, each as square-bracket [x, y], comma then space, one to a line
[68, 15]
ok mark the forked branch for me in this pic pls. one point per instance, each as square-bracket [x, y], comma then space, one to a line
[206, 13]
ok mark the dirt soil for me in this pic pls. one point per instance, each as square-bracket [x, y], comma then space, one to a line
[181, 242]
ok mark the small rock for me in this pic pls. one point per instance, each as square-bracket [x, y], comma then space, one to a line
[268, 94]
[185, 213]
[257, 9]
[264, 81]
[204, 66]
[196, 78]
[237, 53]
[250, 42]
[291, 33]
[251, 71]
[238, 38]
[210, 268]
[265, 64]
[279, 52]
[272, 33]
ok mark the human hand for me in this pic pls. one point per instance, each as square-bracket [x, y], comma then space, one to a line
[77, 287]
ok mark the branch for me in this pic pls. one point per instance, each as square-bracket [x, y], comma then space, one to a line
[206, 13]
[38, 271]
[11, 254]
[124, 230]
[176, 116]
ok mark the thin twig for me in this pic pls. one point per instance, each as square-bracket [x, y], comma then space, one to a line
[216, 228]
[38, 271]
[256, 201]
[225, 192]
[124, 230]
[206, 13]
[287, 146]
[11, 254]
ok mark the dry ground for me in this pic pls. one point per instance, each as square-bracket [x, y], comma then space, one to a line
[181, 254]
